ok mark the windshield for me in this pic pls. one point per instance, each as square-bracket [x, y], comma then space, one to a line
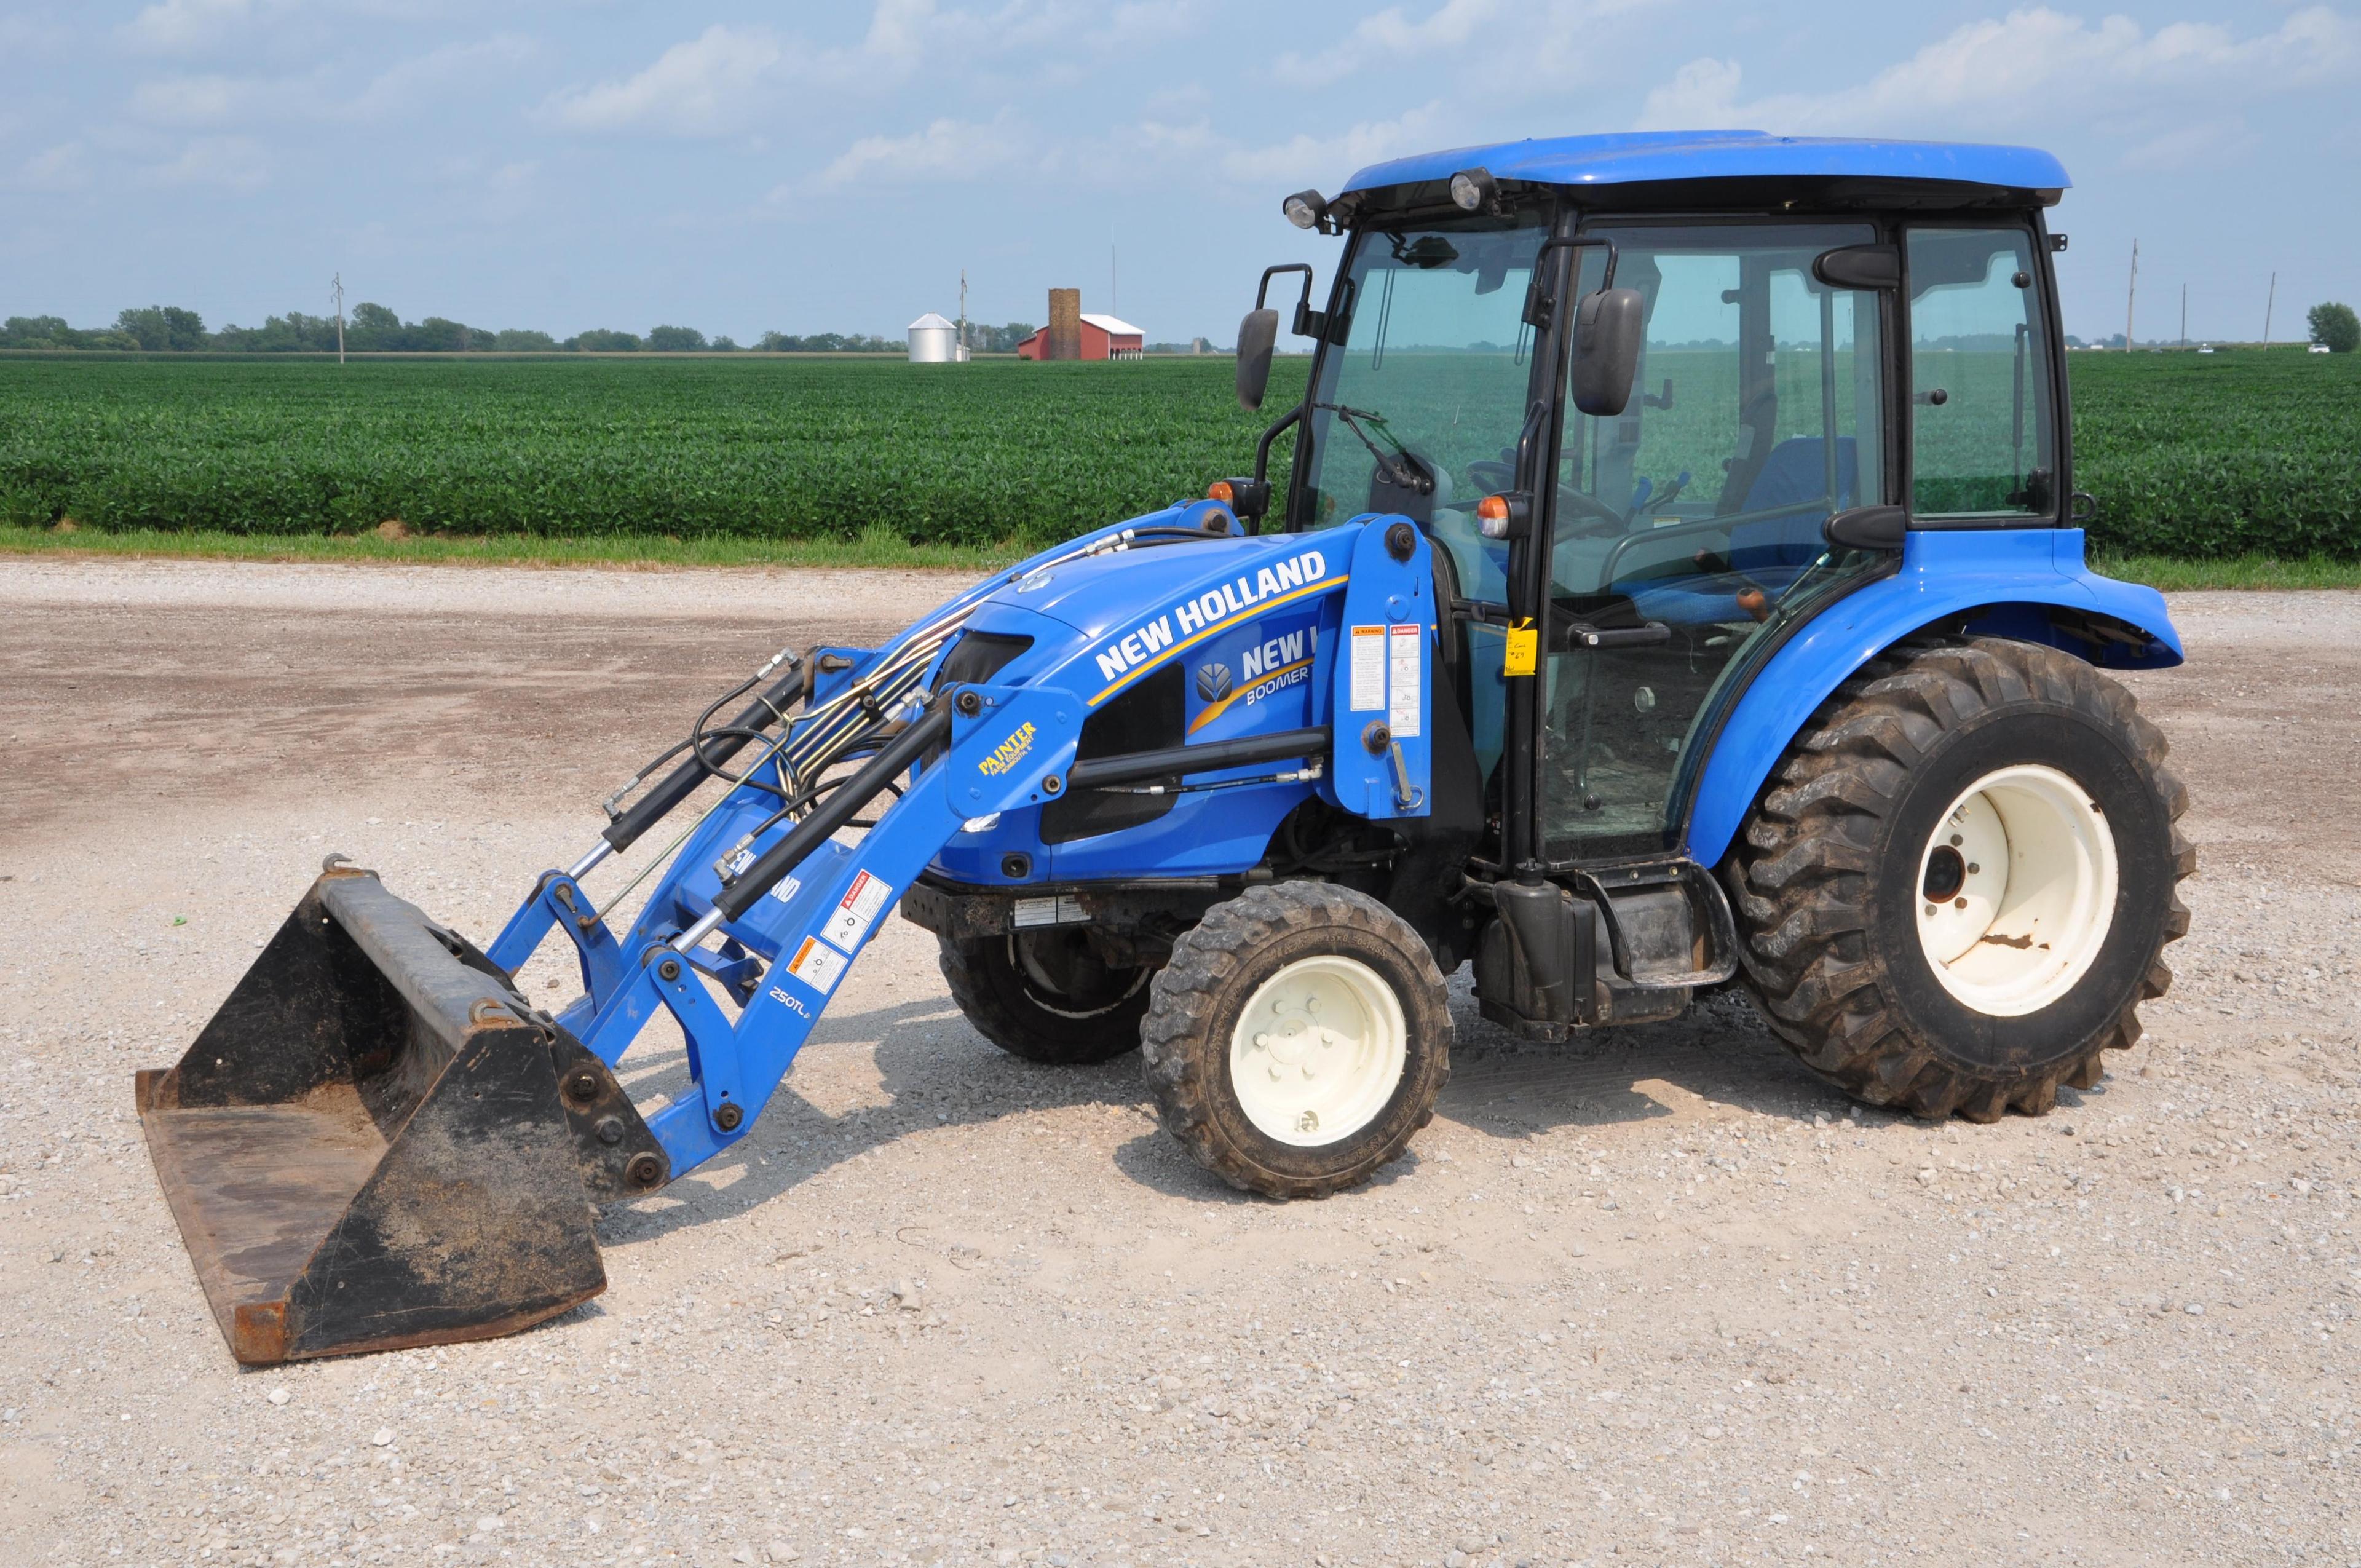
[1417, 409]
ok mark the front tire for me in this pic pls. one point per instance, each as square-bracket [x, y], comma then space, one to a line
[1047, 995]
[1958, 886]
[1297, 1039]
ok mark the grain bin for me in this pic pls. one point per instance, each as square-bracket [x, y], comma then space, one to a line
[933, 341]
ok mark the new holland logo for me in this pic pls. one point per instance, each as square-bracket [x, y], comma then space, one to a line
[1212, 682]
[1006, 755]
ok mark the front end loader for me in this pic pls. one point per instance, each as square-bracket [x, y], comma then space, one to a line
[1678, 584]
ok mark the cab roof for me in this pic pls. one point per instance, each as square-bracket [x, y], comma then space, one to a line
[1978, 172]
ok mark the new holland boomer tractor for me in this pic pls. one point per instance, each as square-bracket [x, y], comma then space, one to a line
[1677, 584]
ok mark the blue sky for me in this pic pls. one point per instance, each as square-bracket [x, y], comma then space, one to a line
[738, 168]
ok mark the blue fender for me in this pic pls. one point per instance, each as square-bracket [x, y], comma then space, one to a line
[2009, 574]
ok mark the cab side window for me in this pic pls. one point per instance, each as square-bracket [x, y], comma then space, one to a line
[1983, 432]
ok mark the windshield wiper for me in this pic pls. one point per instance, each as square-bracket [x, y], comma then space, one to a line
[1404, 470]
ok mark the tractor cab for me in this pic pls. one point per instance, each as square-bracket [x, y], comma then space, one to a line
[1821, 332]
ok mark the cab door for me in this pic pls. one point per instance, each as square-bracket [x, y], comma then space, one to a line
[1688, 527]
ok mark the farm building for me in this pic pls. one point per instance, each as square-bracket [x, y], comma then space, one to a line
[933, 340]
[1099, 337]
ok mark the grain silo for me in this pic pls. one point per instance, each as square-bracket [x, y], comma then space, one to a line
[933, 341]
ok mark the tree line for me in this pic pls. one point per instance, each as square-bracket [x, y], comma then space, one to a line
[378, 329]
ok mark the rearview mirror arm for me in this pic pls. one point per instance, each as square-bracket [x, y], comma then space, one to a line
[1262, 447]
[1538, 307]
[1307, 322]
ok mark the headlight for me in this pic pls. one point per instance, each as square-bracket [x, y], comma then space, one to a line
[1472, 189]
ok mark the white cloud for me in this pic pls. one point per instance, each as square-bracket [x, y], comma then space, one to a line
[235, 163]
[1326, 161]
[407, 83]
[720, 81]
[1988, 69]
[707, 86]
[64, 167]
[2206, 144]
[181, 26]
[946, 149]
[213, 100]
[191, 100]
[1386, 36]
[1703, 94]
[897, 30]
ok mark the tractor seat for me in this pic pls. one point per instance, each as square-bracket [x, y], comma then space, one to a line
[1769, 554]
[1775, 552]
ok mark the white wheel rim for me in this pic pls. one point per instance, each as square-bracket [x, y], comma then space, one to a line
[1318, 1051]
[2016, 890]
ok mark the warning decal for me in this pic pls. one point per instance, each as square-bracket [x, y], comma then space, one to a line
[1403, 684]
[1368, 667]
[816, 966]
[857, 911]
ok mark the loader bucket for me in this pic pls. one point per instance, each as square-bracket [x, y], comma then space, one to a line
[376, 1143]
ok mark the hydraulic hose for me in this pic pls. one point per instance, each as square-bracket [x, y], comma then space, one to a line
[838, 808]
[703, 763]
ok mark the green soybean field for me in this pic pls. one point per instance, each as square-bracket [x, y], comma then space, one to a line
[2196, 456]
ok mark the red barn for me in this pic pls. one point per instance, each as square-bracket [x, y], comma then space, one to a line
[1103, 337]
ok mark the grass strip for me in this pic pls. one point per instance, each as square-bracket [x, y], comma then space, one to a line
[888, 552]
[629, 551]
[2173, 575]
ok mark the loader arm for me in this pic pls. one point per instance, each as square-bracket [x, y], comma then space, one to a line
[379, 1140]
[809, 904]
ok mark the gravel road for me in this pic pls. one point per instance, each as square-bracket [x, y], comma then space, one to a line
[1656, 1297]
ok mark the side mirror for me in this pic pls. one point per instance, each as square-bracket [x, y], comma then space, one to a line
[1606, 331]
[1867, 528]
[1258, 335]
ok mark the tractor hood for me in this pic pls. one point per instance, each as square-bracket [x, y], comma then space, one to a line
[1136, 608]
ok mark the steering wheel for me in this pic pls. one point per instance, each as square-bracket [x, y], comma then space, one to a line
[1491, 478]
[1599, 520]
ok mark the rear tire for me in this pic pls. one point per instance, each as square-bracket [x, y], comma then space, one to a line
[1958, 886]
[1045, 996]
[1297, 1039]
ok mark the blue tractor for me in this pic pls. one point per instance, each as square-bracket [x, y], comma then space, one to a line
[1676, 583]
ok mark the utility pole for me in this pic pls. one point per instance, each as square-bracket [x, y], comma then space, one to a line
[2184, 315]
[336, 292]
[964, 351]
[1115, 300]
[2269, 301]
[2131, 292]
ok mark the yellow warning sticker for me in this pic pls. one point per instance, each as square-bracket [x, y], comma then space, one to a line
[1521, 655]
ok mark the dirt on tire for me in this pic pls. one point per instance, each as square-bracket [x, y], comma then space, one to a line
[1817, 862]
[1196, 1001]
